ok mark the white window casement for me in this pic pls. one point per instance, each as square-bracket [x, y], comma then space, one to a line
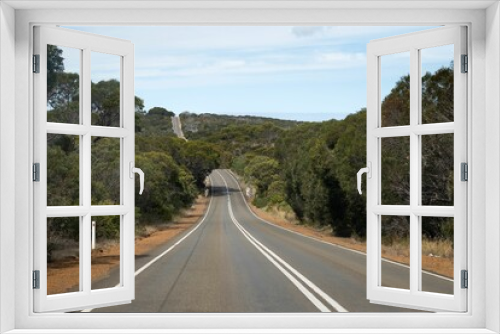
[478, 306]
[83, 130]
[413, 134]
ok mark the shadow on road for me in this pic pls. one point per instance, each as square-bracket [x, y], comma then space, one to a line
[222, 191]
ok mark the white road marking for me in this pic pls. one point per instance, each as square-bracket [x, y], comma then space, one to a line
[294, 281]
[147, 265]
[325, 242]
[278, 262]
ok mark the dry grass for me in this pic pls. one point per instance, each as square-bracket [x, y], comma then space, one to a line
[437, 248]
[63, 274]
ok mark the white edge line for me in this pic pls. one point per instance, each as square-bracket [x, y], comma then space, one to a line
[314, 287]
[325, 242]
[147, 265]
[263, 249]
[322, 307]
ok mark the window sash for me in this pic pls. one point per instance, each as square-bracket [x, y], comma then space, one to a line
[414, 298]
[86, 297]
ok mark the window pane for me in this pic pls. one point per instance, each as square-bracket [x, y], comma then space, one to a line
[63, 170]
[395, 89]
[437, 84]
[63, 255]
[105, 252]
[437, 254]
[63, 84]
[437, 169]
[105, 171]
[395, 171]
[105, 78]
[395, 237]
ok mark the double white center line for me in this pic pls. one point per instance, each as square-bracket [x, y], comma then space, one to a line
[300, 281]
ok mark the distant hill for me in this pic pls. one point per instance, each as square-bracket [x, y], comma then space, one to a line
[200, 126]
[237, 135]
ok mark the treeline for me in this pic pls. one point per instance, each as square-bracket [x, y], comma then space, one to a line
[202, 126]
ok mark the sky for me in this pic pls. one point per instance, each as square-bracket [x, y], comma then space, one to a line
[307, 73]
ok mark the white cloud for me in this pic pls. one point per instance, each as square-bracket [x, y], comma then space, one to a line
[343, 58]
[307, 31]
[216, 71]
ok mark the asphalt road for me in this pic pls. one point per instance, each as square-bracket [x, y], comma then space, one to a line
[177, 127]
[234, 262]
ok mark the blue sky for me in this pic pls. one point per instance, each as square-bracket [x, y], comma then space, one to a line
[309, 73]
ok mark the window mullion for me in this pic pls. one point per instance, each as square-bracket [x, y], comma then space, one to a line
[127, 183]
[85, 178]
[420, 124]
[414, 170]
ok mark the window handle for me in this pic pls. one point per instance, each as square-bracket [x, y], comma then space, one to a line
[141, 176]
[368, 171]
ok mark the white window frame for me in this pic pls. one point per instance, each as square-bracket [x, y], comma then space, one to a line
[124, 51]
[413, 44]
[484, 147]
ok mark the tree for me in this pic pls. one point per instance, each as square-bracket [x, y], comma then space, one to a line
[105, 182]
[395, 107]
[262, 171]
[63, 170]
[63, 99]
[160, 111]
[169, 187]
[55, 65]
[105, 105]
[349, 155]
[437, 96]
[311, 187]
[139, 105]
[200, 158]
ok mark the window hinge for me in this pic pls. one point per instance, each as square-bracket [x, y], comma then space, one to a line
[36, 279]
[464, 168]
[465, 279]
[465, 63]
[36, 63]
[36, 172]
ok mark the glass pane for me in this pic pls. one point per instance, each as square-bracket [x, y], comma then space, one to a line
[437, 169]
[63, 170]
[437, 254]
[395, 237]
[105, 171]
[105, 76]
[395, 89]
[395, 174]
[63, 255]
[63, 84]
[437, 84]
[105, 234]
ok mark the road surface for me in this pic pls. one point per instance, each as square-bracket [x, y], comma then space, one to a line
[177, 127]
[234, 262]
